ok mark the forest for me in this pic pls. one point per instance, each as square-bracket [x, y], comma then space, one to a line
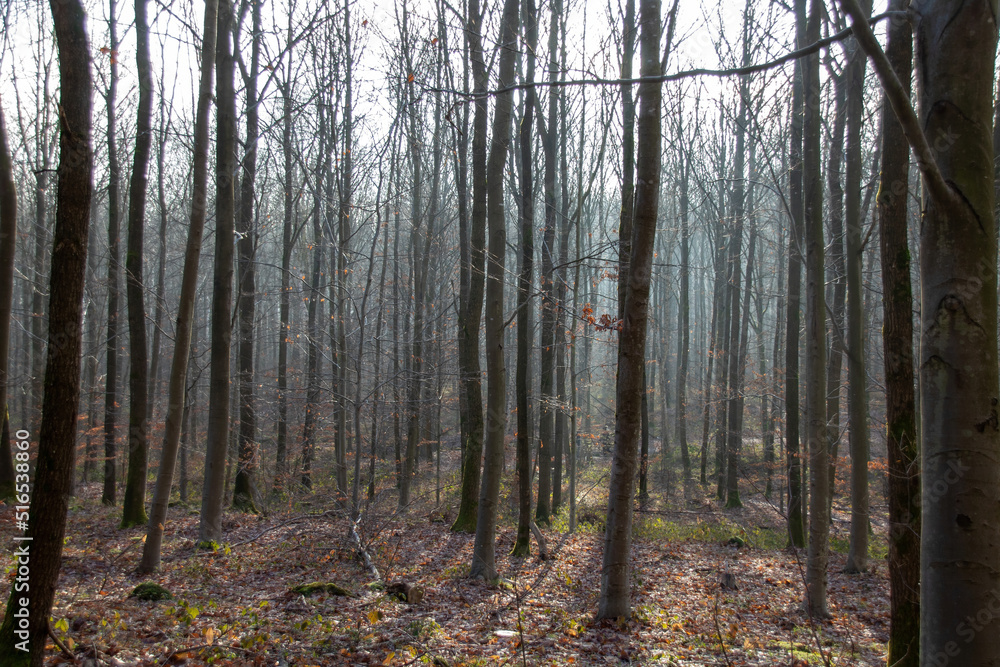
[487, 333]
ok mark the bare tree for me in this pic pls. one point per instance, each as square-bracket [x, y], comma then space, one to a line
[816, 433]
[484, 549]
[522, 544]
[8, 238]
[185, 315]
[796, 518]
[57, 436]
[114, 211]
[134, 501]
[857, 397]
[213, 490]
[615, 580]
[244, 487]
[473, 280]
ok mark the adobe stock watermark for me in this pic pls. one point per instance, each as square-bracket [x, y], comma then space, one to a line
[22, 497]
[967, 630]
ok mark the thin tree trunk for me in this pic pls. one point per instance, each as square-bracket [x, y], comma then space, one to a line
[471, 231]
[522, 543]
[857, 397]
[796, 516]
[284, 333]
[8, 237]
[161, 197]
[189, 279]
[547, 395]
[134, 500]
[902, 448]
[213, 489]
[109, 496]
[683, 323]
[245, 485]
[469, 369]
[615, 580]
[819, 456]
[737, 358]
[837, 278]
[484, 548]
[53, 479]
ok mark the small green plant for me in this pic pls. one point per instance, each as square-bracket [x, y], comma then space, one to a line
[184, 612]
[423, 628]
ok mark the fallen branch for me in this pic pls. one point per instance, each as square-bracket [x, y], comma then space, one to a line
[289, 522]
[543, 550]
[356, 538]
[62, 647]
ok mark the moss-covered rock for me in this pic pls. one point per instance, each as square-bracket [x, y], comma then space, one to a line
[151, 592]
[318, 587]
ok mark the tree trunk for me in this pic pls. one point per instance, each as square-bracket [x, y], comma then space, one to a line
[522, 543]
[737, 358]
[683, 317]
[902, 448]
[955, 47]
[161, 195]
[418, 239]
[53, 481]
[483, 554]
[314, 331]
[615, 580]
[837, 279]
[8, 238]
[812, 187]
[134, 500]
[109, 496]
[245, 486]
[857, 396]
[793, 450]
[189, 282]
[213, 489]
[284, 333]
[547, 384]
[469, 369]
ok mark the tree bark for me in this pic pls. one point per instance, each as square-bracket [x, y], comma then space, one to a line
[287, 241]
[547, 379]
[837, 279]
[796, 517]
[134, 500]
[213, 489]
[109, 496]
[816, 433]
[53, 479]
[615, 581]
[737, 356]
[902, 448]
[684, 315]
[522, 543]
[484, 549]
[857, 396]
[955, 48]
[8, 242]
[245, 486]
[470, 376]
[189, 281]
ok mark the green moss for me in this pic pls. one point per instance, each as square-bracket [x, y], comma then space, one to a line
[318, 587]
[151, 592]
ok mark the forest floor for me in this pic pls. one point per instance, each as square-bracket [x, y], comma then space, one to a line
[235, 605]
